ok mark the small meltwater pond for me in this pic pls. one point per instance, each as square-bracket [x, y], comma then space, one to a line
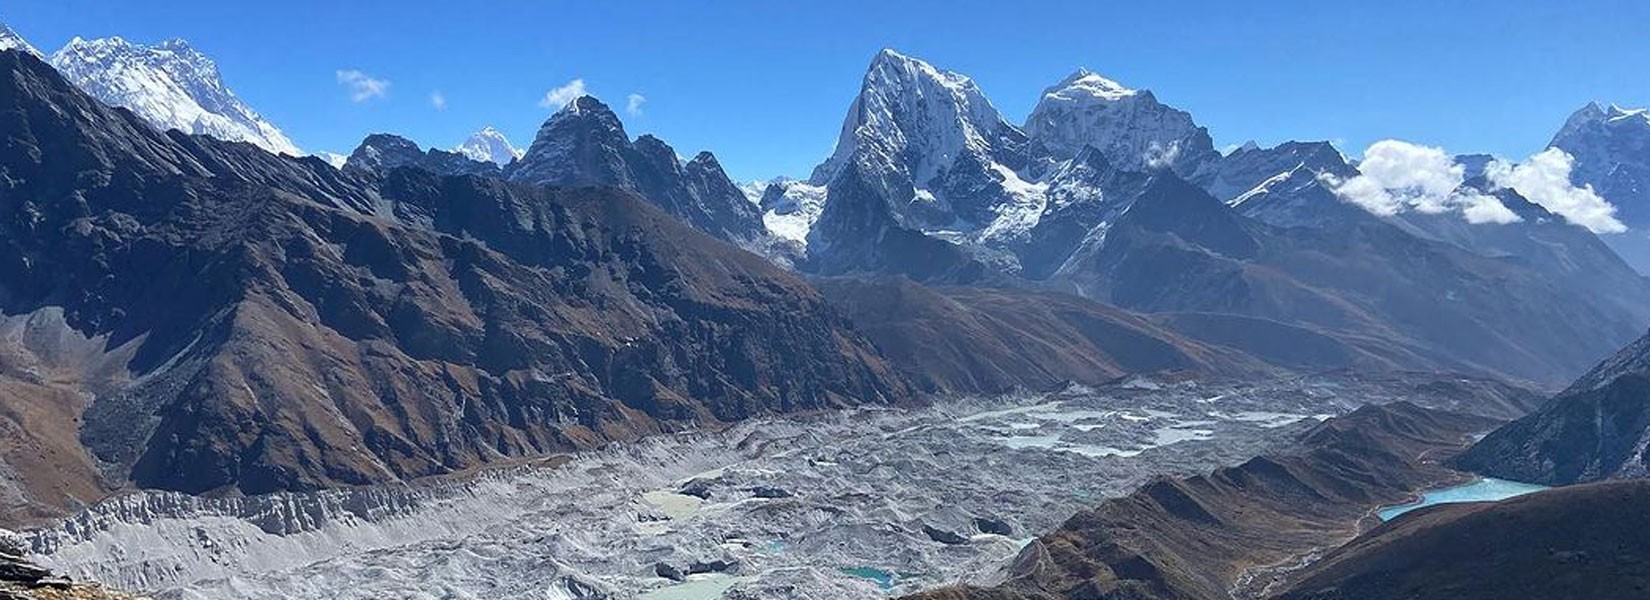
[1483, 490]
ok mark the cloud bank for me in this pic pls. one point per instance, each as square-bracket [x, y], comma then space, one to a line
[1545, 179]
[1397, 176]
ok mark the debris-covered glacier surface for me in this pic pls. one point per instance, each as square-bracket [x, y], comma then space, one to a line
[856, 504]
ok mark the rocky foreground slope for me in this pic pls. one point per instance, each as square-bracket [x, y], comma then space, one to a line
[195, 315]
[1583, 541]
[1232, 531]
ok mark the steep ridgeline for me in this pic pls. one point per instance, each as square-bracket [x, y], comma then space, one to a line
[171, 86]
[1597, 429]
[1212, 537]
[1117, 197]
[9, 40]
[584, 144]
[1575, 542]
[194, 315]
[1611, 148]
[381, 153]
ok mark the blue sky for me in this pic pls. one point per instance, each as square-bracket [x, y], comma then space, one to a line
[765, 84]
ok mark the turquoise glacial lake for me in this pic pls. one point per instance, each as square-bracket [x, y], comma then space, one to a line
[1483, 490]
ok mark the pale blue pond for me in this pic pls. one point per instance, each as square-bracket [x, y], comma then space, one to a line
[883, 579]
[1482, 490]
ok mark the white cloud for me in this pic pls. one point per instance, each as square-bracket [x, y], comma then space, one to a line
[1479, 207]
[633, 104]
[362, 87]
[559, 97]
[1545, 179]
[1397, 176]
[438, 100]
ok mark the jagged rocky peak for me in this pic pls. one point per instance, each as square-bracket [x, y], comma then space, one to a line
[10, 40]
[171, 86]
[585, 144]
[582, 144]
[922, 119]
[1135, 131]
[382, 152]
[489, 145]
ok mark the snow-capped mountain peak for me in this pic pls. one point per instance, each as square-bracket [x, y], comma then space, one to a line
[171, 85]
[489, 145]
[910, 112]
[9, 40]
[1131, 127]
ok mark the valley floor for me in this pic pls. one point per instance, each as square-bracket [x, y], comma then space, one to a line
[857, 504]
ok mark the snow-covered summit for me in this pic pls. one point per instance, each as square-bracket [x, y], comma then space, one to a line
[489, 145]
[1088, 84]
[9, 40]
[1133, 129]
[171, 85]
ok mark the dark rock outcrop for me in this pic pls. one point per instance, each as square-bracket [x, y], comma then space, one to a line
[24, 580]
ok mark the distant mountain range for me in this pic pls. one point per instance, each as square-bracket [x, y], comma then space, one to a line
[1108, 193]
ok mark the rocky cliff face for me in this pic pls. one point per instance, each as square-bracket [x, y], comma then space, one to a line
[1597, 429]
[270, 323]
